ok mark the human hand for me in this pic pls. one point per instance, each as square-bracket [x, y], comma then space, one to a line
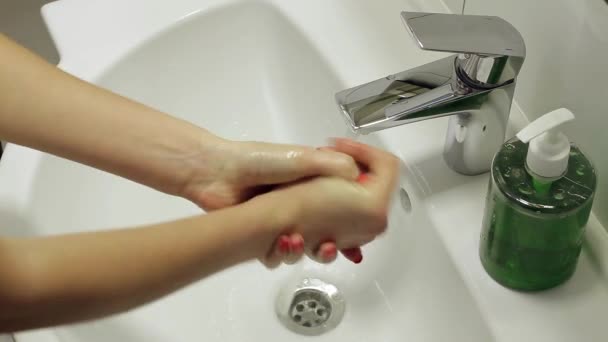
[232, 172]
[236, 171]
[289, 248]
[331, 213]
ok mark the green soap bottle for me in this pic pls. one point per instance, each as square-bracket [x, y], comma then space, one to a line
[539, 200]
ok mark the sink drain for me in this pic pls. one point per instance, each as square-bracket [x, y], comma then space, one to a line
[311, 307]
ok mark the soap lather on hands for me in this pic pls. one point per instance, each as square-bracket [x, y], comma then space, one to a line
[377, 178]
[289, 248]
[225, 173]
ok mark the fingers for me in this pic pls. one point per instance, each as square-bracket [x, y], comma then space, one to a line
[325, 162]
[382, 167]
[353, 254]
[361, 168]
[277, 164]
[296, 249]
[275, 256]
[326, 252]
[363, 178]
[289, 249]
[278, 252]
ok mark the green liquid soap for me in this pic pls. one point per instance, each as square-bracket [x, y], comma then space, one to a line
[532, 230]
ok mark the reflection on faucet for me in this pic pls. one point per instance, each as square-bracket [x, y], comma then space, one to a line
[475, 87]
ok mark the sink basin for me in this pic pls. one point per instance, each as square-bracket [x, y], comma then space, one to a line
[267, 70]
[245, 72]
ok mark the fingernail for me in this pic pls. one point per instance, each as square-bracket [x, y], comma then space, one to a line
[297, 245]
[328, 252]
[284, 244]
[353, 254]
[363, 177]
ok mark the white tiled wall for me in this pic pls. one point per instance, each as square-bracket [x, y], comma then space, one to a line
[566, 66]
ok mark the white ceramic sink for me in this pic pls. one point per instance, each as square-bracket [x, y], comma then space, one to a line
[263, 70]
[245, 72]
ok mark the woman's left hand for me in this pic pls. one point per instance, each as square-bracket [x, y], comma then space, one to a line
[232, 172]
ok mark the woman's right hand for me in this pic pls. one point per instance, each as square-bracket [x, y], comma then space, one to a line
[344, 212]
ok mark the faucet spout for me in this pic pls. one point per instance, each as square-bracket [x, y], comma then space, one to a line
[427, 92]
[475, 89]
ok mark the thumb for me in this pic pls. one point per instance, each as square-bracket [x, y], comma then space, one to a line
[326, 162]
[303, 163]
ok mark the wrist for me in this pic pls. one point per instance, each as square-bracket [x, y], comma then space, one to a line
[277, 215]
[188, 159]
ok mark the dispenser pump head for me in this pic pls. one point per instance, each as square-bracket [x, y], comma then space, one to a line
[549, 149]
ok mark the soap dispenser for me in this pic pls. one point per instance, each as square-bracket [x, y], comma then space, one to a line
[538, 203]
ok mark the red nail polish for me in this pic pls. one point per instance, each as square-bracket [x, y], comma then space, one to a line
[353, 254]
[298, 246]
[358, 258]
[362, 178]
[284, 244]
[329, 252]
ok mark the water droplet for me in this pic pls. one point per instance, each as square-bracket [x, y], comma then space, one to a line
[559, 194]
[580, 170]
[507, 172]
[525, 189]
[509, 147]
[574, 153]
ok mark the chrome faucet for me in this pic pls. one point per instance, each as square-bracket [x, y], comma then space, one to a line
[474, 86]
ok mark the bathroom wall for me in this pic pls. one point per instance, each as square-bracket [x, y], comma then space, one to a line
[566, 66]
[455, 6]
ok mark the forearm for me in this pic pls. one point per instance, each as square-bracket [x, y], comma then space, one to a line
[45, 108]
[55, 280]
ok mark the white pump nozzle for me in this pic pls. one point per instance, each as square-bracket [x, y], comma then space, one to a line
[549, 150]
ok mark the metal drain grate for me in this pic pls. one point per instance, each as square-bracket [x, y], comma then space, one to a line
[311, 307]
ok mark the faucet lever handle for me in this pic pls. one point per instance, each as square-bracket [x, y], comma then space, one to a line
[467, 34]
